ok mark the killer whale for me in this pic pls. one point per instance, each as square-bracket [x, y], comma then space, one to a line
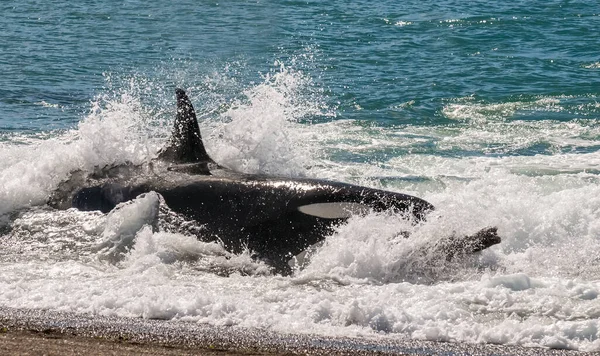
[275, 217]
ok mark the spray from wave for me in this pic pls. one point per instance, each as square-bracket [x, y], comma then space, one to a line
[255, 133]
[538, 287]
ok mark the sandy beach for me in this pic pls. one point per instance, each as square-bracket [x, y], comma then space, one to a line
[36, 332]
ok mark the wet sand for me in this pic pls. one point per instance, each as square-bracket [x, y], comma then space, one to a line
[36, 332]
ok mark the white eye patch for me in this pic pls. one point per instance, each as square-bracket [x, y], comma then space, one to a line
[337, 210]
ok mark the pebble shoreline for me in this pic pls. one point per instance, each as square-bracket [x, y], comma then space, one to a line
[25, 331]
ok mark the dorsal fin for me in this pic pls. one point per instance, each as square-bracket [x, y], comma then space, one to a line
[185, 145]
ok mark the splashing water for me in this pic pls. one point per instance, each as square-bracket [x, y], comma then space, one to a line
[262, 132]
[538, 287]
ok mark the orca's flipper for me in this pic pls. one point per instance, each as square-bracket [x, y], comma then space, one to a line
[185, 145]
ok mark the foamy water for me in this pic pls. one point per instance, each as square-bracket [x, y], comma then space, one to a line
[539, 287]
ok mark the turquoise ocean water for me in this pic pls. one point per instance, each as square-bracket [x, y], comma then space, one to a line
[489, 110]
[369, 59]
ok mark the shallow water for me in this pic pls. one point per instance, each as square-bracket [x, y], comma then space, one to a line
[488, 111]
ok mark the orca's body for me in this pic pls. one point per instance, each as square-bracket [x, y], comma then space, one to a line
[277, 218]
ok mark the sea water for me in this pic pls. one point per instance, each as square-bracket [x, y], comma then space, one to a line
[488, 110]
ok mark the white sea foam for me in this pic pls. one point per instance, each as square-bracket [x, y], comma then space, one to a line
[260, 134]
[595, 65]
[48, 105]
[124, 222]
[539, 287]
[113, 132]
[465, 109]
